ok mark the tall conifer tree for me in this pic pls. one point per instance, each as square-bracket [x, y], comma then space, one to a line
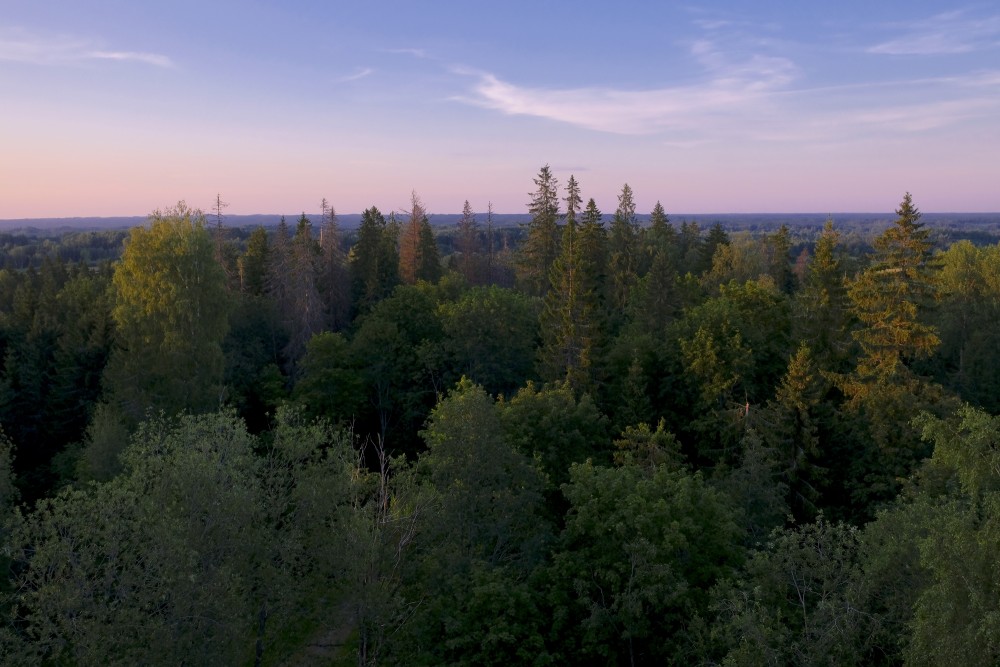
[822, 318]
[661, 300]
[884, 391]
[374, 260]
[468, 245]
[334, 282]
[568, 320]
[623, 246]
[542, 245]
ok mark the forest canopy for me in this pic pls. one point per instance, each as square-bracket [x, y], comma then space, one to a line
[593, 439]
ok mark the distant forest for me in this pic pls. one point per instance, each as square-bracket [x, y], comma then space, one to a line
[573, 437]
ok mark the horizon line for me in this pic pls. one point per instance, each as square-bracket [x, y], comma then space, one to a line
[478, 215]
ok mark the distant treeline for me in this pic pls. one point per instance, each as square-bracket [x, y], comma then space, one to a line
[985, 223]
[28, 242]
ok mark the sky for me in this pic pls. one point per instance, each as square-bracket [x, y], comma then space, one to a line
[114, 108]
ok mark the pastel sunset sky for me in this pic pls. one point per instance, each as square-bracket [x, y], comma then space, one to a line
[119, 107]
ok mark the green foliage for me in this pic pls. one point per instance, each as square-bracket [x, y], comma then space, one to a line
[633, 565]
[757, 486]
[330, 385]
[714, 240]
[293, 287]
[936, 548]
[489, 491]
[8, 492]
[556, 428]
[373, 261]
[884, 392]
[518, 532]
[822, 307]
[197, 552]
[136, 581]
[479, 534]
[572, 318]
[333, 281]
[628, 373]
[658, 294]
[400, 378]
[171, 311]
[418, 252]
[491, 335]
[541, 247]
[106, 438]
[800, 603]
[471, 259]
[56, 337]
[744, 258]
[957, 616]
[779, 267]
[647, 448]
[969, 357]
[254, 265]
[733, 349]
[623, 252]
[255, 384]
[790, 425]
[690, 253]
[887, 298]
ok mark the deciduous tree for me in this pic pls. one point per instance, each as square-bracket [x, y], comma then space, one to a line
[171, 311]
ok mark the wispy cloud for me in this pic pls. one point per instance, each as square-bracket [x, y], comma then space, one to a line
[752, 101]
[361, 73]
[914, 106]
[927, 116]
[948, 33]
[712, 24]
[730, 87]
[416, 53]
[148, 58]
[17, 45]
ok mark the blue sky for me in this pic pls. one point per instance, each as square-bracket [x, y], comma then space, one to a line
[117, 108]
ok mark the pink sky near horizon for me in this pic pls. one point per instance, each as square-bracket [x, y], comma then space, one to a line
[107, 111]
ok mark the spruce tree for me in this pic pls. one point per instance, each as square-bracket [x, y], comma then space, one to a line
[302, 311]
[623, 246]
[541, 247]
[253, 265]
[822, 316]
[334, 282]
[374, 261]
[468, 245]
[661, 236]
[568, 320]
[660, 296]
[779, 267]
[790, 425]
[409, 245]
[888, 298]
[429, 269]
[690, 249]
[717, 236]
[884, 392]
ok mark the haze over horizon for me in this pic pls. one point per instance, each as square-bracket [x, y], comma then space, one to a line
[116, 109]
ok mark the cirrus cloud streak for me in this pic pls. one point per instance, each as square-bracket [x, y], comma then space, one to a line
[754, 103]
[731, 90]
[23, 47]
[948, 33]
